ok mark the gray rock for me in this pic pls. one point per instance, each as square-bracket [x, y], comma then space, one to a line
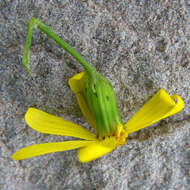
[140, 46]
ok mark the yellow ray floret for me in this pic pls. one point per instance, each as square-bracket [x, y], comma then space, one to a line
[77, 85]
[50, 124]
[96, 149]
[40, 149]
[160, 106]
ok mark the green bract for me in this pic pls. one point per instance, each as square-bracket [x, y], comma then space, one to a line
[101, 100]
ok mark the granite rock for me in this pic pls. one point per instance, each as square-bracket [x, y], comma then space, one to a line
[140, 46]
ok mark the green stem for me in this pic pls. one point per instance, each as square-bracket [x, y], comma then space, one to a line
[48, 31]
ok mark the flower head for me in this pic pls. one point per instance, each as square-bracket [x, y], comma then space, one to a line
[114, 132]
[97, 102]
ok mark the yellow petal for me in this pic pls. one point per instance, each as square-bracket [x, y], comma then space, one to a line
[77, 82]
[96, 149]
[160, 106]
[40, 149]
[178, 106]
[77, 85]
[50, 124]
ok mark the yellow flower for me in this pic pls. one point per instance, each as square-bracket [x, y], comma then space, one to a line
[160, 106]
[96, 98]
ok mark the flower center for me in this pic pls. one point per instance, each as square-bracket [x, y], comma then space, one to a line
[120, 135]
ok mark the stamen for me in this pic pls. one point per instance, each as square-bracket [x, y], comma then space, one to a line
[120, 135]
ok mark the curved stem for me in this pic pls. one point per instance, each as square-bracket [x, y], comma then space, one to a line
[33, 22]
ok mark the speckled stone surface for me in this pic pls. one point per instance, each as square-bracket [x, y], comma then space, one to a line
[140, 46]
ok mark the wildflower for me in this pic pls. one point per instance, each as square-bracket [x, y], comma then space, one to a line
[96, 98]
[160, 106]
